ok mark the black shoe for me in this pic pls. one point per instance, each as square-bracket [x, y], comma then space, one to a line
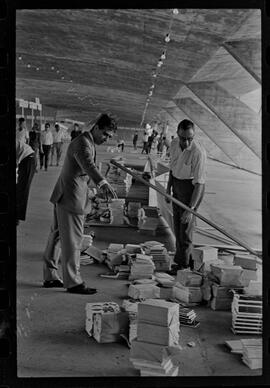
[53, 283]
[82, 289]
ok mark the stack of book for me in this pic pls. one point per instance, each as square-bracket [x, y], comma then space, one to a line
[189, 278]
[252, 353]
[143, 291]
[116, 207]
[142, 267]
[227, 275]
[187, 287]
[132, 209]
[249, 265]
[114, 255]
[246, 314]
[166, 283]
[222, 297]
[254, 288]
[133, 248]
[120, 180]
[160, 257]
[187, 317]
[123, 271]
[203, 257]
[157, 338]
[148, 219]
[132, 308]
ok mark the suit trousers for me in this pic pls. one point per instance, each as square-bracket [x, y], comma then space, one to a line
[182, 190]
[67, 228]
[26, 171]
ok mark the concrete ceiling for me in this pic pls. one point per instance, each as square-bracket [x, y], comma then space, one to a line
[103, 59]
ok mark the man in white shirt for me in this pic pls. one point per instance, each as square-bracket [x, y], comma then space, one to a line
[58, 138]
[25, 165]
[46, 141]
[22, 132]
[187, 181]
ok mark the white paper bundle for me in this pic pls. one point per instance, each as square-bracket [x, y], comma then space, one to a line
[143, 291]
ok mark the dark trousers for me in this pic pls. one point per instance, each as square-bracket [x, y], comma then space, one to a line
[182, 190]
[26, 171]
[145, 147]
[44, 157]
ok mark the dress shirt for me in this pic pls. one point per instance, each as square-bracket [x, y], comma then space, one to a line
[46, 138]
[58, 136]
[189, 163]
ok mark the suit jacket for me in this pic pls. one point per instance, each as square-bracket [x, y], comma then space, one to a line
[71, 189]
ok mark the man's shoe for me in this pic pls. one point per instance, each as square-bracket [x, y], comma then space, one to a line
[82, 289]
[53, 283]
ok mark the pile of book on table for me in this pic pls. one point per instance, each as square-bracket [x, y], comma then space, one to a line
[105, 322]
[116, 207]
[119, 179]
[246, 313]
[148, 219]
[132, 209]
[156, 347]
[159, 255]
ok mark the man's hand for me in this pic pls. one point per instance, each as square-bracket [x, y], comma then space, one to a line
[186, 217]
[108, 191]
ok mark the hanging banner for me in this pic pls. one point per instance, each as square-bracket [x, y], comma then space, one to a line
[23, 103]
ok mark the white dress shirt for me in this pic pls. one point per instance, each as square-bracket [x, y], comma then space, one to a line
[46, 138]
[189, 163]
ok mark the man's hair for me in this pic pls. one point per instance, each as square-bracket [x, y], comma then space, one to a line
[106, 120]
[76, 125]
[56, 126]
[47, 124]
[21, 119]
[185, 125]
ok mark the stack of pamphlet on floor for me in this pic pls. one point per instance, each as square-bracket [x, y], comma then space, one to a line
[166, 283]
[249, 265]
[187, 287]
[160, 257]
[157, 338]
[114, 255]
[203, 257]
[187, 317]
[246, 314]
[116, 207]
[254, 288]
[132, 308]
[142, 267]
[227, 275]
[252, 353]
[222, 297]
[98, 308]
[143, 291]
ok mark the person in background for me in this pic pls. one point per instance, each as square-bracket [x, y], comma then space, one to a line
[75, 131]
[145, 143]
[121, 145]
[22, 132]
[134, 140]
[34, 142]
[187, 182]
[58, 138]
[25, 169]
[46, 141]
[71, 200]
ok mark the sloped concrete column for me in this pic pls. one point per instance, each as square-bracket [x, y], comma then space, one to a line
[220, 134]
[241, 120]
[248, 54]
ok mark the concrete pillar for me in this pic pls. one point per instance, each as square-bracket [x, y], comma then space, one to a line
[220, 134]
[240, 119]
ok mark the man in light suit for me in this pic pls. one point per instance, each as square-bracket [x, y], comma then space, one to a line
[71, 203]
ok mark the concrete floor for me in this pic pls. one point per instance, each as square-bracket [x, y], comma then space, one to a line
[51, 338]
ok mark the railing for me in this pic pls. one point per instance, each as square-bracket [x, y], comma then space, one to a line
[185, 207]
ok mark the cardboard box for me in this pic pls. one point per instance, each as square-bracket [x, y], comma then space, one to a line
[158, 312]
[188, 278]
[227, 275]
[162, 335]
[143, 291]
[247, 276]
[222, 292]
[202, 256]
